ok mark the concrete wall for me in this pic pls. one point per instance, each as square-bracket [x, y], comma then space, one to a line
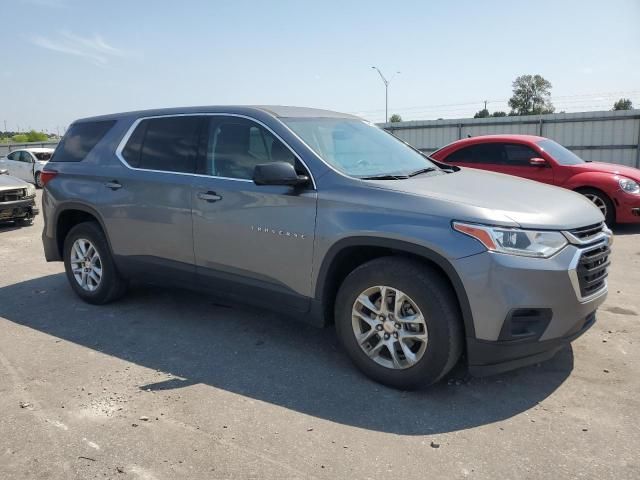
[5, 148]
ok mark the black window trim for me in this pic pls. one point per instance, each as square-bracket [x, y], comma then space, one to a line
[133, 126]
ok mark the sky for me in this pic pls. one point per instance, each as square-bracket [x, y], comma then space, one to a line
[68, 59]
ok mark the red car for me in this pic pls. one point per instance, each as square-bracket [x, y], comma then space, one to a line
[614, 189]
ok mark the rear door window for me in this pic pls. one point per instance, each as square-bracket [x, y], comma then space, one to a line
[167, 144]
[80, 140]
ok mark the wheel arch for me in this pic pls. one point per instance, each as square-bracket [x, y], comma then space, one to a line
[349, 253]
[72, 214]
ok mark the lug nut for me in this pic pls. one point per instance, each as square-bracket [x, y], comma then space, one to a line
[395, 334]
[378, 327]
[386, 336]
[398, 326]
[381, 318]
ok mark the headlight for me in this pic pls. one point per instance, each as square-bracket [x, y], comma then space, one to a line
[514, 241]
[31, 190]
[628, 185]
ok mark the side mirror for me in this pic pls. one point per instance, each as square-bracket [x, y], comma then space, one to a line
[4, 171]
[537, 162]
[277, 173]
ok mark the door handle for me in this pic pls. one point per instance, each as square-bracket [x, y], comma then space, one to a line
[209, 196]
[113, 185]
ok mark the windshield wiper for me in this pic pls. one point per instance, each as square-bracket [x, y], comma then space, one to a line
[423, 170]
[385, 177]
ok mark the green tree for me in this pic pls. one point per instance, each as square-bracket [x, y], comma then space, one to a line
[20, 138]
[33, 136]
[531, 96]
[484, 113]
[395, 118]
[623, 104]
[499, 114]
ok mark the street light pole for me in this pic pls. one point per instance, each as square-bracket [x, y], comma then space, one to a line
[386, 93]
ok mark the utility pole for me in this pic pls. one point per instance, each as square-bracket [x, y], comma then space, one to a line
[386, 93]
[5, 125]
[485, 104]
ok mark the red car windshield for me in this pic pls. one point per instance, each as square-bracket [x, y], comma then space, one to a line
[560, 154]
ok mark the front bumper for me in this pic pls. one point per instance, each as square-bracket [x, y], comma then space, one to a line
[490, 358]
[525, 309]
[18, 209]
[627, 207]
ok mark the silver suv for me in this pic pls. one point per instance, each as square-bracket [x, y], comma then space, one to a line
[329, 219]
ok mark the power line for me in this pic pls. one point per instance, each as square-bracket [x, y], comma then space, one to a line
[501, 100]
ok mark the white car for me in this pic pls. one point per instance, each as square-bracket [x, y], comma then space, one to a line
[27, 163]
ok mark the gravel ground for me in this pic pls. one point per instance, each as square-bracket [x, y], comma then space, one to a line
[166, 384]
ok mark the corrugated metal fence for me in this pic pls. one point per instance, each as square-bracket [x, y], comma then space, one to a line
[612, 137]
[6, 148]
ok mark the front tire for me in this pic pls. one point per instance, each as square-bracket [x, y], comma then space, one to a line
[410, 339]
[603, 202]
[89, 265]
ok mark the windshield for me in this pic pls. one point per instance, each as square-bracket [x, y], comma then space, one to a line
[358, 148]
[559, 153]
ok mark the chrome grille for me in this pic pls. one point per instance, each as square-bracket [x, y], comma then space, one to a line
[585, 234]
[592, 269]
[12, 195]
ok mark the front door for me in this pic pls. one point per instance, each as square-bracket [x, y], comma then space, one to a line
[516, 160]
[20, 165]
[253, 242]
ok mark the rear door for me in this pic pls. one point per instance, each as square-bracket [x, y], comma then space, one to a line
[253, 242]
[147, 203]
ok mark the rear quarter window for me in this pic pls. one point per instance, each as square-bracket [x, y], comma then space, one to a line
[80, 140]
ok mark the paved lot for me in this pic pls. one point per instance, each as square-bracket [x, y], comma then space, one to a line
[166, 384]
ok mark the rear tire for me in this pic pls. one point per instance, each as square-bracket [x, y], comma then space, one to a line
[89, 265]
[38, 180]
[425, 294]
[603, 202]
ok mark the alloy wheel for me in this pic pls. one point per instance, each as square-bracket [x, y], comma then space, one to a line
[389, 327]
[86, 264]
[598, 202]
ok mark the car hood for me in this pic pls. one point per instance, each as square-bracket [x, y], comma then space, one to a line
[8, 182]
[489, 197]
[612, 168]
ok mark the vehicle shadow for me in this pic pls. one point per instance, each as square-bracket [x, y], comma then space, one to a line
[9, 225]
[269, 358]
[626, 229]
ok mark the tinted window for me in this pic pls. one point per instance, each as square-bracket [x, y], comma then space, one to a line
[488, 153]
[518, 155]
[80, 140]
[235, 146]
[559, 153]
[14, 156]
[168, 144]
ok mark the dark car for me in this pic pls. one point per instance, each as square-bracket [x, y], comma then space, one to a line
[17, 199]
[614, 189]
